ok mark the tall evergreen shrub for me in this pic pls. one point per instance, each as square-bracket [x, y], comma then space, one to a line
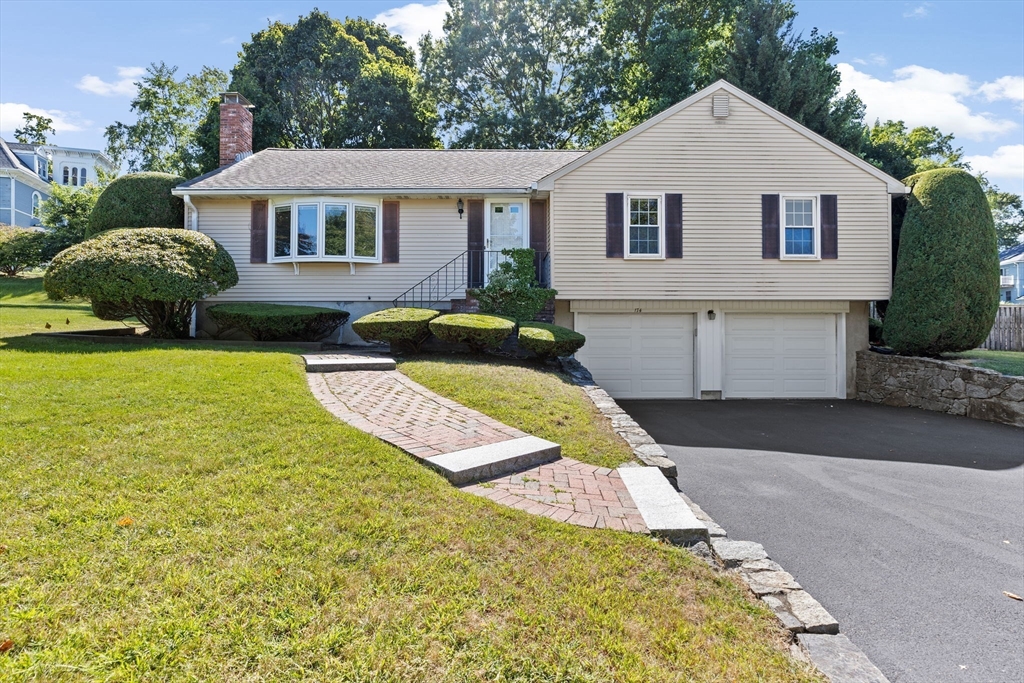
[946, 290]
[138, 200]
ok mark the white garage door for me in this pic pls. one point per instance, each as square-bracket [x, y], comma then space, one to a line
[639, 355]
[769, 355]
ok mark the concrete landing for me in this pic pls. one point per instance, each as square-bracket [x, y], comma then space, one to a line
[493, 460]
[663, 511]
[347, 363]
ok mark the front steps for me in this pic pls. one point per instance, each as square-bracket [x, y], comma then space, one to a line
[494, 460]
[664, 511]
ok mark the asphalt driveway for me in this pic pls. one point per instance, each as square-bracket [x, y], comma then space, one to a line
[906, 525]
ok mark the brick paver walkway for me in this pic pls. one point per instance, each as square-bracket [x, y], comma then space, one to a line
[396, 409]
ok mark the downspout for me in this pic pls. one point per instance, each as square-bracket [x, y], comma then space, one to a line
[193, 224]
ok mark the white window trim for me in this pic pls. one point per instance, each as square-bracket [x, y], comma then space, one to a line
[660, 196]
[815, 216]
[320, 202]
[490, 201]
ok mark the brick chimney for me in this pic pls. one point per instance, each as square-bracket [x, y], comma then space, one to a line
[235, 127]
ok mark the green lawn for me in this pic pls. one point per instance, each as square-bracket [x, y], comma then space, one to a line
[175, 513]
[1006, 362]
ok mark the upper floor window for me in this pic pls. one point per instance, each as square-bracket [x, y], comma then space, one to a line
[326, 230]
[74, 176]
[644, 226]
[67, 171]
[800, 232]
[37, 201]
[81, 176]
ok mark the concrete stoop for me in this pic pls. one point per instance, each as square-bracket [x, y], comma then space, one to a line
[338, 362]
[494, 460]
[664, 512]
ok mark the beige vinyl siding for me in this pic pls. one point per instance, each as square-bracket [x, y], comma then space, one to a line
[430, 235]
[721, 167]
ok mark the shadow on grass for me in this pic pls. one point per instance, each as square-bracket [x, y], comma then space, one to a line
[53, 344]
[467, 358]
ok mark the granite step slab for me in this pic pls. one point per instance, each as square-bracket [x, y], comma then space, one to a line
[347, 363]
[665, 513]
[493, 460]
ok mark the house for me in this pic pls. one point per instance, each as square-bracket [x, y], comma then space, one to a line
[75, 167]
[1011, 275]
[718, 250]
[24, 183]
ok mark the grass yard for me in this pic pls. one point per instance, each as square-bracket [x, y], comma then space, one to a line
[1006, 362]
[535, 400]
[175, 513]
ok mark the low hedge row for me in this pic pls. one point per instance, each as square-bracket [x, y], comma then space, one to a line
[402, 328]
[550, 341]
[407, 329]
[273, 322]
[479, 332]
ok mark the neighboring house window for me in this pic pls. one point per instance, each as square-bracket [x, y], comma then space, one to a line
[1008, 294]
[644, 227]
[74, 176]
[37, 200]
[82, 176]
[326, 230]
[66, 172]
[800, 233]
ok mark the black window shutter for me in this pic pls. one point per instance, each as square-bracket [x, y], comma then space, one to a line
[475, 241]
[673, 226]
[829, 227]
[769, 226]
[613, 224]
[539, 224]
[258, 232]
[389, 252]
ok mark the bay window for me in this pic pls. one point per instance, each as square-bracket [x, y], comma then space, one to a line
[326, 230]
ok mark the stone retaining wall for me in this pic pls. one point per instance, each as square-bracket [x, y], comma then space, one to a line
[941, 386]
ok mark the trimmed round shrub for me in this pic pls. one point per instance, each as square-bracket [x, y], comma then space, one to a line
[402, 328]
[20, 248]
[946, 289]
[138, 200]
[479, 332]
[550, 341]
[155, 273]
[273, 322]
[511, 288]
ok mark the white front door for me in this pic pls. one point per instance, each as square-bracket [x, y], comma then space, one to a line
[780, 355]
[506, 229]
[639, 355]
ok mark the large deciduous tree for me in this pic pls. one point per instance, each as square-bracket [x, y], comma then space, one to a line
[791, 73]
[901, 152]
[519, 73]
[321, 83]
[168, 110]
[35, 129]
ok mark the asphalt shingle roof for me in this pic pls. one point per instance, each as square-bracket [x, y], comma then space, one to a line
[1011, 252]
[8, 159]
[385, 169]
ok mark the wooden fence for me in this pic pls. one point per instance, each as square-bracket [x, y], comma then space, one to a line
[1008, 330]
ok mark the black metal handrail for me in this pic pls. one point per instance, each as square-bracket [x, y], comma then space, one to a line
[465, 271]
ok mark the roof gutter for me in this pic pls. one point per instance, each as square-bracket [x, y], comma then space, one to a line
[246, 191]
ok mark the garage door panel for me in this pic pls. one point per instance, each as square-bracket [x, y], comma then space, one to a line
[639, 355]
[783, 355]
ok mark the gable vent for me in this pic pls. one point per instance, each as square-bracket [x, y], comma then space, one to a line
[720, 106]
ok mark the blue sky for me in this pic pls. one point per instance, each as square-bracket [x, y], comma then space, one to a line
[958, 65]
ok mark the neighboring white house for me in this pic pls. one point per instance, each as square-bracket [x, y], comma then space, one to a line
[719, 250]
[75, 167]
[1011, 275]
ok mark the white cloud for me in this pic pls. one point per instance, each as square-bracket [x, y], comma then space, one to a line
[124, 85]
[1007, 162]
[919, 12]
[228, 41]
[414, 20]
[924, 97]
[876, 59]
[11, 117]
[1006, 88]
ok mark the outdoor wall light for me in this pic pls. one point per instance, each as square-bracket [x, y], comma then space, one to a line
[459, 205]
[711, 315]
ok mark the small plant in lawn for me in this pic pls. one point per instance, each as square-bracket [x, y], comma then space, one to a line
[512, 289]
[155, 273]
[405, 329]
[479, 332]
[550, 341]
[271, 322]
